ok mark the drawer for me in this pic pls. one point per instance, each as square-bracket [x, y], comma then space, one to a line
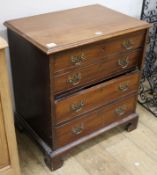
[89, 54]
[96, 96]
[110, 66]
[94, 120]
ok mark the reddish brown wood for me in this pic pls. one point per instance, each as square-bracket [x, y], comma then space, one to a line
[71, 28]
[132, 124]
[97, 52]
[51, 82]
[95, 97]
[96, 72]
[94, 120]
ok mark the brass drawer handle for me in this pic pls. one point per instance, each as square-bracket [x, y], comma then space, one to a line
[127, 44]
[121, 110]
[78, 106]
[124, 86]
[123, 62]
[78, 130]
[74, 79]
[77, 60]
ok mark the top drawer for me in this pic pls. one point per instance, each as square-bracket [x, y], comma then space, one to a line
[89, 54]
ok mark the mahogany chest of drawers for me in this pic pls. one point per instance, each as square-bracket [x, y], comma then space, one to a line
[76, 75]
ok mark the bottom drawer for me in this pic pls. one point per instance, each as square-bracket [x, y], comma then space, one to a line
[94, 120]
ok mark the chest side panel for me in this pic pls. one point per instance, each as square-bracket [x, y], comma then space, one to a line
[30, 71]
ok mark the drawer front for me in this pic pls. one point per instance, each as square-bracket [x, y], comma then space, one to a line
[93, 121]
[82, 56]
[94, 97]
[112, 65]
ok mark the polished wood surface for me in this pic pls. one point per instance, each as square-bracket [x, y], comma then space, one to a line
[94, 97]
[93, 53]
[105, 154]
[71, 28]
[9, 164]
[96, 72]
[60, 91]
[88, 64]
[94, 120]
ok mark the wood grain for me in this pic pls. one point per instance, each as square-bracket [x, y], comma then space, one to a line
[79, 25]
[95, 97]
[98, 161]
[92, 121]
[141, 138]
[132, 157]
[96, 72]
[96, 52]
[3, 43]
[4, 153]
[13, 166]
[114, 45]
[96, 156]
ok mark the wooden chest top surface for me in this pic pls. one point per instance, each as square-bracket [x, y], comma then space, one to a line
[57, 31]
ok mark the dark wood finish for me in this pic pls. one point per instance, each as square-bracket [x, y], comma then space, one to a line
[31, 85]
[95, 97]
[94, 74]
[132, 124]
[54, 163]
